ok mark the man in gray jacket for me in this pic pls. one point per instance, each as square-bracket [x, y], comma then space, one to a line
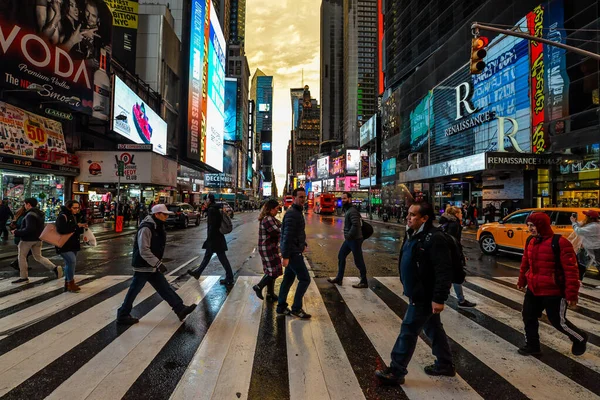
[148, 250]
[352, 243]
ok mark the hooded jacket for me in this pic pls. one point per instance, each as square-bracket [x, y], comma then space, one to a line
[451, 225]
[149, 245]
[66, 222]
[32, 226]
[589, 234]
[352, 224]
[538, 266]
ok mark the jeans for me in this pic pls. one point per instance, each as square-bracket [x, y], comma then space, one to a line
[159, 283]
[70, 258]
[222, 258]
[36, 251]
[460, 295]
[556, 310]
[354, 246]
[420, 317]
[295, 268]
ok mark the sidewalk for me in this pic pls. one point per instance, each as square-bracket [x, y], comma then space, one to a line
[103, 231]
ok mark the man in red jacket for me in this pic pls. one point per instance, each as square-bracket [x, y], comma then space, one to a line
[538, 271]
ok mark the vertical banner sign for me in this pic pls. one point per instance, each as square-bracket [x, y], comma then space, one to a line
[125, 25]
[199, 19]
[557, 79]
[203, 126]
[230, 133]
[535, 24]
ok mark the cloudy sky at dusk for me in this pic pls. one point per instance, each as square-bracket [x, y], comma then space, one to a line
[282, 39]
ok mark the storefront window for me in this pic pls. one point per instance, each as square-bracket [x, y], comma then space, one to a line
[47, 189]
[543, 187]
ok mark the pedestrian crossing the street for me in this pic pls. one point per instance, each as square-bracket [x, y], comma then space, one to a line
[59, 345]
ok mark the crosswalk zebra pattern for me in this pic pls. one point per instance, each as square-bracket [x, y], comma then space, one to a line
[59, 345]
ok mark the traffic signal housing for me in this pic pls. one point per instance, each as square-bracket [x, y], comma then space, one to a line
[478, 53]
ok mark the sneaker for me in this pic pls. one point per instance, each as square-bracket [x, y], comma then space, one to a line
[579, 347]
[127, 320]
[387, 377]
[187, 310]
[287, 311]
[440, 370]
[20, 280]
[58, 271]
[258, 292]
[361, 285]
[528, 350]
[301, 314]
[466, 304]
[335, 281]
[194, 274]
[227, 282]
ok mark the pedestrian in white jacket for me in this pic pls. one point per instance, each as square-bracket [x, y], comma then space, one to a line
[589, 232]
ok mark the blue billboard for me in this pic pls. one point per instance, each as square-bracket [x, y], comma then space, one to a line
[231, 131]
[266, 146]
[389, 167]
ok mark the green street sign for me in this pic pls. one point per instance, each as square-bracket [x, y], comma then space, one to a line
[121, 168]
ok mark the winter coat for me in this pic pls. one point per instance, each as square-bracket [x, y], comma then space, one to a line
[269, 234]
[451, 225]
[352, 224]
[5, 213]
[293, 236]
[538, 266]
[215, 240]
[66, 222]
[18, 224]
[149, 245]
[32, 226]
[431, 264]
[589, 234]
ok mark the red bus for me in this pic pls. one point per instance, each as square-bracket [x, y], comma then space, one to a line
[324, 203]
[287, 202]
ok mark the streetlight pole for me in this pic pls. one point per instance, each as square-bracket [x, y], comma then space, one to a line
[370, 202]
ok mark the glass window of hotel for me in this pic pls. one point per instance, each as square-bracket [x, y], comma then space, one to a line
[47, 189]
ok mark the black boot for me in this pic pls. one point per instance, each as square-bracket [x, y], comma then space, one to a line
[260, 285]
[271, 296]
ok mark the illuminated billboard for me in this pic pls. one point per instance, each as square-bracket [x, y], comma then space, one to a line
[215, 120]
[323, 167]
[267, 189]
[352, 161]
[337, 165]
[199, 23]
[266, 146]
[368, 131]
[230, 132]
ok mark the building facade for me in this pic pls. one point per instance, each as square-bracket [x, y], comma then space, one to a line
[237, 21]
[360, 66]
[525, 132]
[332, 70]
[307, 137]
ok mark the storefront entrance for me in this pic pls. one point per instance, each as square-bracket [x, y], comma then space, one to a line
[48, 189]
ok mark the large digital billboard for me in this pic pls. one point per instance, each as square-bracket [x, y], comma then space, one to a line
[389, 167]
[199, 24]
[267, 189]
[230, 132]
[323, 167]
[215, 120]
[368, 131]
[337, 165]
[135, 120]
[56, 51]
[352, 161]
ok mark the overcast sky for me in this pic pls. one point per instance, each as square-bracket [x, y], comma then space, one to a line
[282, 39]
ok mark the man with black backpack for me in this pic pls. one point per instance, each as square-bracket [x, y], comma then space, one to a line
[549, 272]
[352, 244]
[426, 272]
[215, 240]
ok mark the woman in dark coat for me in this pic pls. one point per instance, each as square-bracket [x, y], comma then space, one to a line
[268, 248]
[215, 242]
[69, 221]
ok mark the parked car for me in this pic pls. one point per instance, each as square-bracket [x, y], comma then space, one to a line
[510, 233]
[184, 214]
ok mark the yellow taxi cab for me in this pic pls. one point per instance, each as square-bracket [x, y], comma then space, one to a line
[510, 233]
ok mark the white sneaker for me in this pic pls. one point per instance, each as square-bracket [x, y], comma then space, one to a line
[59, 272]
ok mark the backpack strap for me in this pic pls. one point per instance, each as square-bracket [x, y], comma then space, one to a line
[559, 270]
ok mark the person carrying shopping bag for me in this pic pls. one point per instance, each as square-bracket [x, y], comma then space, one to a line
[589, 232]
[68, 222]
[268, 247]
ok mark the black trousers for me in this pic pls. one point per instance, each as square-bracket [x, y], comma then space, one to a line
[222, 258]
[556, 310]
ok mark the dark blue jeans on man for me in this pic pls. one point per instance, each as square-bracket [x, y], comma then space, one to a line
[419, 317]
[159, 283]
[295, 269]
[354, 247]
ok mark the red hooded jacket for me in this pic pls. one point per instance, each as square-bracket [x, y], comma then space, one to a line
[538, 266]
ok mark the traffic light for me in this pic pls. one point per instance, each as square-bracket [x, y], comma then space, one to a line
[478, 52]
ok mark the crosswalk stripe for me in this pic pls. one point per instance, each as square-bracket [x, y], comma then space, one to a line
[111, 372]
[24, 361]
[588, 324]
[201, 376]
[25, 295]
[42, 310]
[591, 281]
[318, 366]
[382, 327]
[6, 285]
[502, 357]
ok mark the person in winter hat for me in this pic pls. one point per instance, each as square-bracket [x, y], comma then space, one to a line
[549, 286]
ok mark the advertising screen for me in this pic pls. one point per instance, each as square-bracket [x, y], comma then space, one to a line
[368, 131]
[421, 120]
[323, 167]
[196, 102]
[140, 123]
[266, 146]
[311, 172]
[125, 25]
[352, 161]
[389, 167]
[64, 66]
[264, 107]
[337, 166]
[249, 170]
[215, 120]
[230, 132]
[267, 189]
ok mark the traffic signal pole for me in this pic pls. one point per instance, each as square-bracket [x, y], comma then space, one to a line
[477, 26]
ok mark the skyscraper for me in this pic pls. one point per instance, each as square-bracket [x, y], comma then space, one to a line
[307, 136]
[237, 21]
[222, 7]
[360, 66]
[261, 91]
[332, 70]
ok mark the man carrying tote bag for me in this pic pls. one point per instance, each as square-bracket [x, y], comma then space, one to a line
[30, 232]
